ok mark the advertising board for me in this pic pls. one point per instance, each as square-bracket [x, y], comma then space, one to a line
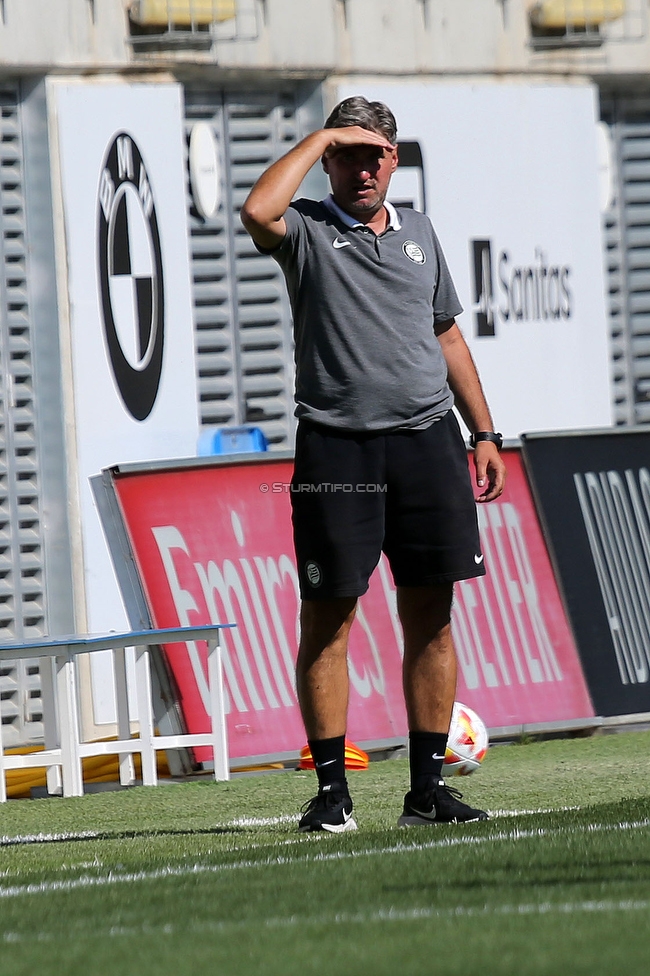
[593, 492]
[211, 541]
[510, 176]
[125, 308]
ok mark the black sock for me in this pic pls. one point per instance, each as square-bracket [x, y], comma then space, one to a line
[329, 760]
[426, 756]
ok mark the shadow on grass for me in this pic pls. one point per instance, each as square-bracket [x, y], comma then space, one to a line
[553, 875]
[36, 839]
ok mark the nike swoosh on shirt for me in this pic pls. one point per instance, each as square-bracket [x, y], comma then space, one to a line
[479, 559]
[338, 243]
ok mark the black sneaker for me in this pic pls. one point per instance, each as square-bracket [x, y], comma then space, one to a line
[328, 810]
[440, 804]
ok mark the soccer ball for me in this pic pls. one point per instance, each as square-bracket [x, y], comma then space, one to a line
[467, 744]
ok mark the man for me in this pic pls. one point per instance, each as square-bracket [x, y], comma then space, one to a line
[379, 362]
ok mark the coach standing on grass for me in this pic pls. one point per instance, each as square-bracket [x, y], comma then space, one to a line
[379, 364]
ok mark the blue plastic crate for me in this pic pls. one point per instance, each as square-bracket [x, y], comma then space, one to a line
[231, 440]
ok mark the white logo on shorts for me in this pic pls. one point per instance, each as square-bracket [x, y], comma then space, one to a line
[414, 252]
[313, 573]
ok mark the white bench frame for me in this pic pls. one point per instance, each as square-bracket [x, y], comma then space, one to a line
[64, 749]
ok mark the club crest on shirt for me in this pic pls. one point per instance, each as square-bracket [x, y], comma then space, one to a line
[313, 573]
[414, 252]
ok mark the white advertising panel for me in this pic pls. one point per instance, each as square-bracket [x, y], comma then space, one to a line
[126, 328]
[510, 178]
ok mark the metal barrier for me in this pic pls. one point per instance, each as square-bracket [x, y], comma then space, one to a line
[64, 750]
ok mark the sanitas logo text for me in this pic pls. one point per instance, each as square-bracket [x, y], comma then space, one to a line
[534, 292]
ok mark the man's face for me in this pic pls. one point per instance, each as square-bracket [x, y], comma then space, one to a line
[359, 177]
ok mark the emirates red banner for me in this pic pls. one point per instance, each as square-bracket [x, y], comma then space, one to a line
[213, 543]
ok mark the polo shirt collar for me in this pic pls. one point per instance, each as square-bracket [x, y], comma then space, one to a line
[345, 218]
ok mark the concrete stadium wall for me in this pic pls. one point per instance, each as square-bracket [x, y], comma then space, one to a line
[315, 37]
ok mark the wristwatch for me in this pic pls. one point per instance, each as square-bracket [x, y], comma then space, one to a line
[486, 435]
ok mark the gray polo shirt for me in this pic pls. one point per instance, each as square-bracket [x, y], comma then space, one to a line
[363, 308]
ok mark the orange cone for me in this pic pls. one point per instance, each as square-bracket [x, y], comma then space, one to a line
[355, 758]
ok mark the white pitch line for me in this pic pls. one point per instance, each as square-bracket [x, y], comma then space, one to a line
[499, 814]
[17, 840]
[285, 818]
[462, 911]
[184, 871]
[24, 839]
[382, 916]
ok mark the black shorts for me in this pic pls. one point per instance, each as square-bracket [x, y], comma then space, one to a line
[406, 492]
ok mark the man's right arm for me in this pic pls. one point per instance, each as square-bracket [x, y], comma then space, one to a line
[263, 211]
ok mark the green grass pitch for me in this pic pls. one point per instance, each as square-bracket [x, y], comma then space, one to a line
[200, 877]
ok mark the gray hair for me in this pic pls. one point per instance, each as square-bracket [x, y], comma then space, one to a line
[357, 110]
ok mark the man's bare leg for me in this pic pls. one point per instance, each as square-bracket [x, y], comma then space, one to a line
[429, 668]
[322, 666]
[323, 691]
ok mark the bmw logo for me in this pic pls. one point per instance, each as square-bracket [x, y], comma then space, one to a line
[130, 276]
